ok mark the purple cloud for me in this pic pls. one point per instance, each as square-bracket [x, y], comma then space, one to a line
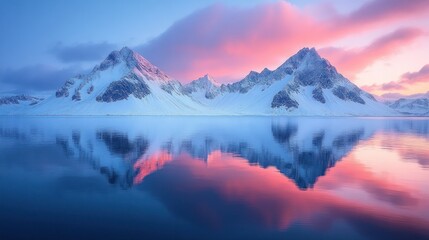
[351, 61]
[227, 42]
[37, 77]
[82, 52]
[416, 77]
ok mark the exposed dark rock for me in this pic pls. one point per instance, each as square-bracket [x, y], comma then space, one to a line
[111, 60]
[76, 96]
[19, 98]
[282, 99]
[64, 90]
[316, 77]
[265, 72]
[319, 72]
[293, 62]
[90, 89]
[318, 95]
[210, 95]
[122, 89]
[346, 94]
[168, 88]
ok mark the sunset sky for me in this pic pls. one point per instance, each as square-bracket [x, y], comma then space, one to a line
[380, 45]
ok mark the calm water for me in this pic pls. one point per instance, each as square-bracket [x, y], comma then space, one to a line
[223, 178]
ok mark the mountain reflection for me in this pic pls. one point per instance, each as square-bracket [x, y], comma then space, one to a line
[364, 176]
[300, 152]
[301, 149]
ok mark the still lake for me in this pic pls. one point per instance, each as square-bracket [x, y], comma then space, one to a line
[214, 177]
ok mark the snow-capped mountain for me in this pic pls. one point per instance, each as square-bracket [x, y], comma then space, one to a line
[14, 104]
[305, 84]
[411, 106]
[125, 83]
[391, 97]
[205, 85]
[20, 99]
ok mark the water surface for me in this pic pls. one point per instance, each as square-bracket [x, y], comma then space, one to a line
[214, 177]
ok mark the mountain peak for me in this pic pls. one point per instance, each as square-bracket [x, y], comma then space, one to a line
[305, 58]
[306, 50]
[125, 51]
[206, 84]
[207, 79]
[133, 60]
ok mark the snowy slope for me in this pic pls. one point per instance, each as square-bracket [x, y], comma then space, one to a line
[125, 83]
[11, 104]
[19, 100]
[411, 106]
[205, 86]
[305, 84]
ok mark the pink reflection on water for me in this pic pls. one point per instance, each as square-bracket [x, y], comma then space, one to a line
[366, 188]
[268, 198]
[148, 165]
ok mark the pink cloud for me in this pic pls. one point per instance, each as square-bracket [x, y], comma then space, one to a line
[377, 12]
[407, 79]
[416, 77]
[349, 62]
[384, 87]
[228, 42]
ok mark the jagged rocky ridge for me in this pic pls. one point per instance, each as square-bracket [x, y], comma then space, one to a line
[19, 99]
[136, 70]
[305, 84]
[412, 106]
[127, 83]
[206, 84]
[308, 68]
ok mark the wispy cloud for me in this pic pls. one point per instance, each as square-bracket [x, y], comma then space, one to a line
[228, 41]
[36, 77]
[407, 80]
[82, 52]
[351, 61]
[416, 77]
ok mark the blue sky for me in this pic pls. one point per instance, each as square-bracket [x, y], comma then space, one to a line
[45, 42]
[35, 32]
[31, 29]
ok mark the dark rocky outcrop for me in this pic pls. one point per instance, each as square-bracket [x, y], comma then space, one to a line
[122, 89]
[318, 95]
[76, 96]
[346, 94]
[18, 99]
[282, 99]
[64, 90]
